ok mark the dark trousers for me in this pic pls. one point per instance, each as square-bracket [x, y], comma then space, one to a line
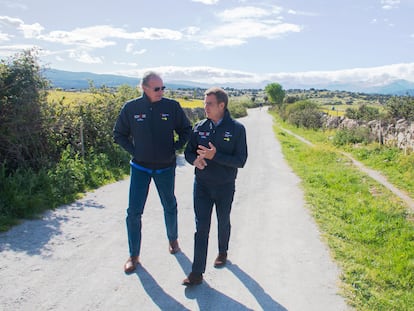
[205, 197]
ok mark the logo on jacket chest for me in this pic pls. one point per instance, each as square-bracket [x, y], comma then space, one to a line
[140, 117]
[227, 136]
[165, 116]
[204, 134]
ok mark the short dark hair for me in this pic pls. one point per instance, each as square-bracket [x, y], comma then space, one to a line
[148, 75]
[220, 94]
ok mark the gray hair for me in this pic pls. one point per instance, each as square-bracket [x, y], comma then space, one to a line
[148, 76]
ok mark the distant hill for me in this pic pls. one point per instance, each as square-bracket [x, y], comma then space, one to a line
[80, 80]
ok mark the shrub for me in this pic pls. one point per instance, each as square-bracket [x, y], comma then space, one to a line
[237, 109]
[401, 108]
[352, 136]
[304, 114]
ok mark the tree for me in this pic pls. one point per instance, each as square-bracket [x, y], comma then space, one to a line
[22, 139]
[275, 93]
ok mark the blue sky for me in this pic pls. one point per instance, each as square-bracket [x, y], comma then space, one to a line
[218, 41]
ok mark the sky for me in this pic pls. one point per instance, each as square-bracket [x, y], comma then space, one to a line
[217, 41]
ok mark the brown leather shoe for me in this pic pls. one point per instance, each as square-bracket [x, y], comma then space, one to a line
[193, 279]
[174, 247]
[131, 264]
[220, 260]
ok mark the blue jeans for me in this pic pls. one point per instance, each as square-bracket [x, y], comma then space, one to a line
[205, 197]
[138, 193]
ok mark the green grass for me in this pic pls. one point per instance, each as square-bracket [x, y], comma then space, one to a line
[397, 166]
[394, 164]
[369, 230]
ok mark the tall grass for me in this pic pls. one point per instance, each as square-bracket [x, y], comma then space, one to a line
[369, 231]
[26, 193]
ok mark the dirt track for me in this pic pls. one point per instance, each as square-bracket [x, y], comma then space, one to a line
[72, 258]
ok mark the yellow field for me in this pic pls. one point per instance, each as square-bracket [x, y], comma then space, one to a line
[76, 97]
[190, 103]
[338, 112]
[69, 97]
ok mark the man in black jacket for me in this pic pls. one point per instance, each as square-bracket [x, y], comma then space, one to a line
[145, 128]
[217, 148]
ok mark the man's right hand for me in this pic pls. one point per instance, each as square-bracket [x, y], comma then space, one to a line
[200, 163]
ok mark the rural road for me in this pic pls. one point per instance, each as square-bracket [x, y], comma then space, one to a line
[72, 258]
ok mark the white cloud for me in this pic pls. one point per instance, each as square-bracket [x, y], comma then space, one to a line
[31, 31]
[130, 48]
[14, 5]
[238, 33]
[85, 57]
[373, 75]
[243, 23]
[98, 36]
[11, 21]
[208, 2]
[301, 13]
[157, 34]
[8, 50]
[4, 36]
[390, 4]
[192, 30]
[131, 64]
[204, 74]
[81, 37]
[243, 13]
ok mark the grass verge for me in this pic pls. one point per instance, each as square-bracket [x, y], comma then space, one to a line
[369, 230]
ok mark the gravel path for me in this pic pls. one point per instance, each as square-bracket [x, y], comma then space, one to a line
[72, 258]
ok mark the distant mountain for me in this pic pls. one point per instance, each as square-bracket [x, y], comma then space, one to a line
[80, 80]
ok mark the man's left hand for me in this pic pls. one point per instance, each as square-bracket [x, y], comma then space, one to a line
[207, 153]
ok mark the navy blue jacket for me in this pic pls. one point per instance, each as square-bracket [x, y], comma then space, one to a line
[229, 138]
[146, 130]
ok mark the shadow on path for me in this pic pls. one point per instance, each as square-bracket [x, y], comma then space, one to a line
[33, 236]
[264, 299]
[156, 293]
[209, 298]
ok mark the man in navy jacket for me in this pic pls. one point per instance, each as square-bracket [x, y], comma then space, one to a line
[217, 148]
[146, 127]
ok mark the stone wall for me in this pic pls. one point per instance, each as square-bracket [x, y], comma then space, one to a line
[399, 134]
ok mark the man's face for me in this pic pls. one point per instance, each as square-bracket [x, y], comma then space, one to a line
[214, 110]
[154, 89]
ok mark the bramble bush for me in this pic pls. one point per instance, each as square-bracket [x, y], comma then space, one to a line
[51, 152]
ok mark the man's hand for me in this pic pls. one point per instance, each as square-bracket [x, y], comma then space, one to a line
[205, 152]
[200, 163]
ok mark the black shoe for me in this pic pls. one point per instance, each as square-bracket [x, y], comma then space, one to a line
[193, 279]
[220, 260]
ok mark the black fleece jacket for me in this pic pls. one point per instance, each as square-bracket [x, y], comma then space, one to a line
[146, 130]
[229, 138]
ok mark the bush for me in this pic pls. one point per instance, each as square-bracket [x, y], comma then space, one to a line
[304, 114]
[364, 112]
[401, 108]
[23, 142]
[237, 108]
[352, 136]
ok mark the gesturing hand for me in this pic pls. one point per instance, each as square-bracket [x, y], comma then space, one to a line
[205, 152]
